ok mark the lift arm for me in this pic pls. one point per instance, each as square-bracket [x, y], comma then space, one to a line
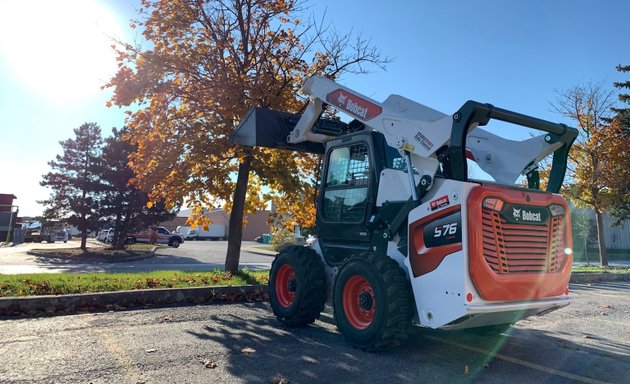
[425, 136]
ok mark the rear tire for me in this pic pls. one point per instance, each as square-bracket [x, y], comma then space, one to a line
[297, 286]
[372, 302]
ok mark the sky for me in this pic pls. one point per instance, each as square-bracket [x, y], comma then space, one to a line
[56, 55]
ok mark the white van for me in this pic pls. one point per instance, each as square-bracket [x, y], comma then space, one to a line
[214, 232]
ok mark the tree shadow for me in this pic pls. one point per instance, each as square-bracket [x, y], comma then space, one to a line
[317, 353]
[77, 264]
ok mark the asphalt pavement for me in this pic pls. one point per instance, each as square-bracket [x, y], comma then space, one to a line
[190, 256]
[586, 342]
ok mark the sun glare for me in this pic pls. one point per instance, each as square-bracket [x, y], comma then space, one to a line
[59, 49]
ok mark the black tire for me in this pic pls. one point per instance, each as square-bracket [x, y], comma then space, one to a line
[373, 302]
[131, 240]
[174, 243]
[297, 286]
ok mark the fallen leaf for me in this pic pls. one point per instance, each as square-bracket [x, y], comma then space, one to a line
[248, 351]
[277, 379]
[465, 369]
[164, 319]
[150, 350]
[210, 364]
[607, 306]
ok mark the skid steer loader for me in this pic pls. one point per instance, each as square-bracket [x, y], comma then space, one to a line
[405, 234]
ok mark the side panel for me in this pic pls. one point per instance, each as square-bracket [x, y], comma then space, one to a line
[437, 262]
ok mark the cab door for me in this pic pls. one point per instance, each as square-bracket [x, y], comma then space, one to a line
[345, 200]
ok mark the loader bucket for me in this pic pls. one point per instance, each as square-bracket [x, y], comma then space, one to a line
[268, 128]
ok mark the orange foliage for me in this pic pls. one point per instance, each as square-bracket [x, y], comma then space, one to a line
[207, 64]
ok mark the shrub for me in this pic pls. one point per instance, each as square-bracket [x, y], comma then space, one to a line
[282, 238]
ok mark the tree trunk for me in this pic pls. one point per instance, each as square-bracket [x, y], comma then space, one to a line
[84, 239]
[601, 241]
[84, 224]
[83, 232]
[118, 241]
[235, 234]
[586, 248]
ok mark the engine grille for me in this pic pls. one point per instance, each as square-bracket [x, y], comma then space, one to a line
[522, 248]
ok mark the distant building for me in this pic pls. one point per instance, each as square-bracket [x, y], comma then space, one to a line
[616, 236]
[256, 223]
[8, 216]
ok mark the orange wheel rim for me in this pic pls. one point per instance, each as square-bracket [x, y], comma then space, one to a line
[286, 285]
[359, 304]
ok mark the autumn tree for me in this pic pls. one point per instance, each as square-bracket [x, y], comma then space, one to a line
[590, 159]
[207, 64]
[75, 180]
[122, 202]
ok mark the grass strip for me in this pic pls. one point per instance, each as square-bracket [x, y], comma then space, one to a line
[600, 269]
[67, 283]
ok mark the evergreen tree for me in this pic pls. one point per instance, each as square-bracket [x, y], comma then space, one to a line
[623, 113]
[75, 180]
[620, 182]
[122, 202]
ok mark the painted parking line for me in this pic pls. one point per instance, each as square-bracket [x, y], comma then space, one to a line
[125, 362]
[513, 360]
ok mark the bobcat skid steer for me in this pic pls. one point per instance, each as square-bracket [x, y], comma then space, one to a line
[405, 234]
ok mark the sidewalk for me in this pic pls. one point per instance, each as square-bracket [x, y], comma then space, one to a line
[258, 251]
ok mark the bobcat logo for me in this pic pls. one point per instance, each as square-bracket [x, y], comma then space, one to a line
[342, 98]
[516, 213]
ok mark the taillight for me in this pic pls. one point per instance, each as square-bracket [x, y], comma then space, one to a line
[493, 203]
[557, 210]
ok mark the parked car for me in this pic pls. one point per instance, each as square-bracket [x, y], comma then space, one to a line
[109, 238]
[103, 234]
[155, 235]
[182, 230]
[41, 236]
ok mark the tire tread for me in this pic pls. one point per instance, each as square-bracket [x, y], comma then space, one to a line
[311, 302]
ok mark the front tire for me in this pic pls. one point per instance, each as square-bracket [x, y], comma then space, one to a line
[175, 243]
[372, 302]
[297, 286]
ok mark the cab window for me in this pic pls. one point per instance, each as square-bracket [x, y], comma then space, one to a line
[346, 186]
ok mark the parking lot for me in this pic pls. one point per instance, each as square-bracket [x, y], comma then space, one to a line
[190, 256]
[587, 342]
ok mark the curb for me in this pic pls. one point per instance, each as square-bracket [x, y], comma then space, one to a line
[598, 277]
[106, 301]
[260, 251]
[122, 259]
